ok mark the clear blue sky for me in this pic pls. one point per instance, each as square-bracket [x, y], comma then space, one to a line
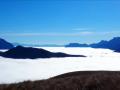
[59, 22]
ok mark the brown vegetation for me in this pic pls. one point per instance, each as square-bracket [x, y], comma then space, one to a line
[83, 80]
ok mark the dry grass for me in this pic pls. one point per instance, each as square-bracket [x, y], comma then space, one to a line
[83, 80]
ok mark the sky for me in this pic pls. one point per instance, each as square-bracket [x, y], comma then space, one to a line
[59, 21]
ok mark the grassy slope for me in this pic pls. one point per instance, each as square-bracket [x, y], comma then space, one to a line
[82, 80]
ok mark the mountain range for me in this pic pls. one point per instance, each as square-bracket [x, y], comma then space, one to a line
[113, 44]
[5, 44]
[37, 45]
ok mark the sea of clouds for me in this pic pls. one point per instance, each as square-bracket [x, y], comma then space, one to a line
[17, 70]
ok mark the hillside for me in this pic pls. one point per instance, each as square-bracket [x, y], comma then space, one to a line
[82, 80]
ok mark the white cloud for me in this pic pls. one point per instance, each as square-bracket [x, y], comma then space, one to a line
[87, 33]
[50, 34]
[111, 32]
[79, 33]
[82, 29]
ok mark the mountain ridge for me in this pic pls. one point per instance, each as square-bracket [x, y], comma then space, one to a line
[21, 52]
[113, 44]
[5, 44]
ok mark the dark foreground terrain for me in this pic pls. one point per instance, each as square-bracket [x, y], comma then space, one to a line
[83, 80]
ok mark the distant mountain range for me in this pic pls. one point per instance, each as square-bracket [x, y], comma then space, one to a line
[113, 44]
[76, 45]
[37, 45]
[20, 52]
[5, 44]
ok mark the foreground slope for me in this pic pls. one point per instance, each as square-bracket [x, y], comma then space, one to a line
[82, 80]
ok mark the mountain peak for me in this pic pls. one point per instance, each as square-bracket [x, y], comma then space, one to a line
[5, 44]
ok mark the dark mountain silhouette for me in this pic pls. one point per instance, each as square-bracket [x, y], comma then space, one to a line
[81, 80]
[113, 44]
[5, 45]
[76, 45]
[101, 44]
[20, 52]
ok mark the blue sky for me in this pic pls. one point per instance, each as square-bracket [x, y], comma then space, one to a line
[59, 22]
